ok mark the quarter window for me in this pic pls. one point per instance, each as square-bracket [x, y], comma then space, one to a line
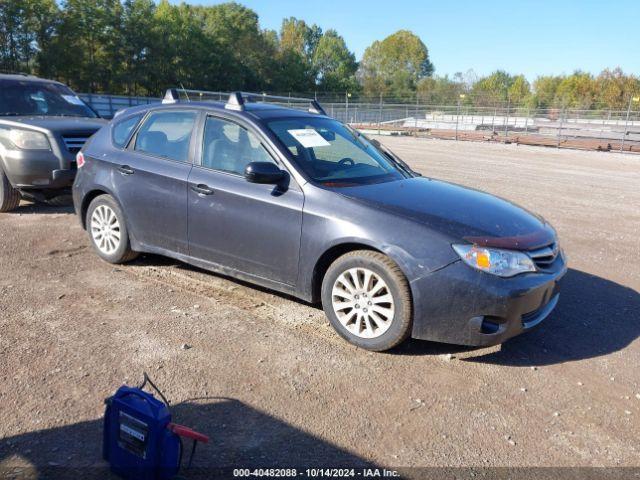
[230, 148]
[122, 130]
[167, 134]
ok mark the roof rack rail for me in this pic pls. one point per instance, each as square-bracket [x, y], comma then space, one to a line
[237, 100]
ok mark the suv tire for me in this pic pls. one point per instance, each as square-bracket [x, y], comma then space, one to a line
[368, 301]
[107, 230]
[9, 196]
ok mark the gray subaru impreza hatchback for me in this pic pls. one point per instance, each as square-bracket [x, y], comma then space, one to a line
[300, 203]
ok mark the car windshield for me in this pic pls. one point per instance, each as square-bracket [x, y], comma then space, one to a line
[40, 98]
[333, 154]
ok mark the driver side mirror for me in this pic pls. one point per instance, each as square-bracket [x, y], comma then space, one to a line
[263, 172]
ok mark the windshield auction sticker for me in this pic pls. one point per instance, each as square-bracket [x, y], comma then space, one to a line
[309, 138]
[73, 99]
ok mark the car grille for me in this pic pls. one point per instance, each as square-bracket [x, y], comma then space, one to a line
[74, 142]
[544, 257]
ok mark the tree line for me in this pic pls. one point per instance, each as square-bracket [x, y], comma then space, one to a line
[611, 89]
[140, 47]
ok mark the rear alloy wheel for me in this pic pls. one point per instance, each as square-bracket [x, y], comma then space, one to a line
[105, 230]
[9, 196]
[108, 231]
[367, 300]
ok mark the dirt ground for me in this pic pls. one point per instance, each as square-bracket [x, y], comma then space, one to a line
[265, 376]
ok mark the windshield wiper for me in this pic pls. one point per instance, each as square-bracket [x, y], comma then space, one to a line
[389, 154]
[12, 114]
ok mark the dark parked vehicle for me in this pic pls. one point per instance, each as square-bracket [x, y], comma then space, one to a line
[303, 204]
[43, 124]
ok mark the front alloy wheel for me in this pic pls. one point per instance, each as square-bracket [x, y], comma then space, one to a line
[367, 299]
[363, 303]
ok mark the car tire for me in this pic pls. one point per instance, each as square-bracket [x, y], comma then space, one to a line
[9, 196]
[367, 299]
[107, 230]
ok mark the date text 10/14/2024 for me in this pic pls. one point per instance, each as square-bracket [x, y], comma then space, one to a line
[317, 473]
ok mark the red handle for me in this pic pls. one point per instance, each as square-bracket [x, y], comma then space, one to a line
[186, 432]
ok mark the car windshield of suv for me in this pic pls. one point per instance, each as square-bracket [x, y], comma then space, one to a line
[39, 98]
[332, 154]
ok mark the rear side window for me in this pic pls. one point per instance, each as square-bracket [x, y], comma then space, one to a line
[122, 130]
[167, 134]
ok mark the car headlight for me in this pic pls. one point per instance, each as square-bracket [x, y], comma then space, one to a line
[28, 139]
[503, 263]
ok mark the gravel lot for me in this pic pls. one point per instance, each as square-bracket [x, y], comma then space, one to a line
[269, 381]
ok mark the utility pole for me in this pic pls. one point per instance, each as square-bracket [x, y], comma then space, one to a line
[460, 98]
[560, 128]
[380, 114]
[416, 126]
[626, 123]
[346, 107]
[506, 122]
[493, 121]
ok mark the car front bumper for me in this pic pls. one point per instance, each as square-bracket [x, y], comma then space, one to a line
[39, 169]
[460, 305]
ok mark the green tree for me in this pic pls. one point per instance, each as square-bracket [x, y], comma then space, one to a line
[334, 64]
[297, 36]
[297, 44]
[26, 27]
[181, 53]
[492, 89]
[440, 90]
[545, 88]
[395, 65]
[578, 90]
[87, 48]
[615, 88]
[246, 52]
[520, 91]
[137, 32]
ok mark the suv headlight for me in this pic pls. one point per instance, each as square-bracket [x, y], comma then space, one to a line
[27, 139]
[503, 263]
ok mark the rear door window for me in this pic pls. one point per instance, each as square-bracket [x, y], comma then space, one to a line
[167, 134]
[122, 130]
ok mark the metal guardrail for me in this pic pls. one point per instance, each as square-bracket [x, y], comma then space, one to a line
[108, 105]
[571, 128]
[608, 130]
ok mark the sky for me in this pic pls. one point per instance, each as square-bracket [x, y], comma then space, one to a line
[520, 36]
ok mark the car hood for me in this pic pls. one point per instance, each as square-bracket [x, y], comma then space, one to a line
[459, 212]
[57, 124]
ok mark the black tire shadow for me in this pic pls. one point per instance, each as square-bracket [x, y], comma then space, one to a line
[37, 208]
[594, 317]
[240, 437]
[149, 259]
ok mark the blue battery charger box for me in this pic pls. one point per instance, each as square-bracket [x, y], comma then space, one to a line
[140, 440]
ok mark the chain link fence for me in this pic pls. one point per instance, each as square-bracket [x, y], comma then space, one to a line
[605, 130]
[107, 105]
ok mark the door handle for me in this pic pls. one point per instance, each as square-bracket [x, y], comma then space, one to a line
[202, 189]
[125, 170]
